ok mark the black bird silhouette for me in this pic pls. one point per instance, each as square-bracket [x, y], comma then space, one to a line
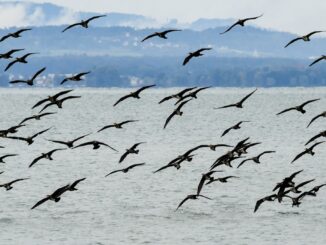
[299, 108]
[9, 53]
[11, 130]
[176, 111]
[37, 117]
[125, 170]
[47, 155]
[177, 96]
[30, 81]
[309, 150]
[69, 144]
[193, 197]
[52, 98]
[5, 156]
[8, 186]
[133, 94]
[222, 180]
[323, 57]
[15, 34]
[287, 182]
[192, 94]
[28, 140]
[160, 34]
[55, 196]
[295, 189]
[305, 38]
[241, 22]
[205, 177]
[296, 201]
[211, 146]
[196, 53]
[238, 104]
[235, 127]
[117, 125]
[59, 102]
[256, 159]
[96, 145]
[72, 187]
[131, 150]
[76, 78]
[269, 198]
[83, 23]
[314, 190]
[323, 114]
[21, 59]
[321, 134]
[176, 162]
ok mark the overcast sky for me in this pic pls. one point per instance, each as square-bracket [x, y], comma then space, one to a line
[297, 16]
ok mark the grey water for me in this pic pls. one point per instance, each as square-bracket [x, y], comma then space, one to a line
[139, 207]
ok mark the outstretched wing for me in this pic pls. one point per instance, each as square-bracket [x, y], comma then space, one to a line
[315, 118]
[286, 110]
[36, 160]
[226, 131]
[39, 133]
[299, 155]
[122, 99]
[187, 59]
[149, 36]
[230, 28]
[317, 60]
[95, 17]
[182, 202]
[115, 171]
[315, 137]
[73, 185]
[258, 203]
[292, 41]
[5, 37]
[38, 73]
[247, 96]
[135, 165]
[41, 202]
[124, 155]
[241, 163]
[169, 118]
[308, 102]
[201, 184]
[10, 64]
[71, 26]
[18, 81]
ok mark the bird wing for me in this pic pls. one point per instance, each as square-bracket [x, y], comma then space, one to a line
[8, 155]
[122, 99]
[60, 191]
[182, 92]
[95, 17]
[247, 96]
[115, 171]
[187, 59]
[304, 183]
[162, 168]
[315, 137]
[71, 26]
[230, 28]
[258, 203]
[81, 137]
[47, 105]
[39, 133]
[292, 41]
[201, 184]
[286, 110]
[292, 176]
[314, 32]
[46, 114]
[22, 30]
[315, 118]
[135, 165]
[226, 106]
[40, 103]
[36, 160]
[170, 30]
[182, 202]
[128, 121]
[226, 131]
[59, 142]
[5, 37]
[41, 202]
[16, 138]
[10, 64]
[73, 185]
[137, 144]
[308, 102]
[314, 145]
[18, 81]
[38, 73]
[105, 127]
[265, 152]
[253, 18]
[204, 197]
[62, 93]
[169, 118]
[124, 155]
[69, 98]
[149, 36]
[79, 75]
[317, 60]
[84, 144]
[166, 98]
[107, 146]
[16, 180]
[243, 162]
[13, 51]
[143, 88]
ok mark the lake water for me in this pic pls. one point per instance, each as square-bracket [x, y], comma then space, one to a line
[139, 207]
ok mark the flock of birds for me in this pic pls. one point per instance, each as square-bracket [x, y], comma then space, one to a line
[283, 189]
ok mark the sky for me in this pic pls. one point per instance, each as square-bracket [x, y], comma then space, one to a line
[296, 16]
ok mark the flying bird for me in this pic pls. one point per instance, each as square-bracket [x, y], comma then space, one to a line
[131, 150]
[296, 201]
[235, 127]
[8, 186]
[76, 78]
[72, 187]
[5, 156]
[196, 53]
[305, 38]
[69, 144]
[37, 117]
[83, 23]
[256, 159]
[117, 125]
[269, 198]
[309, 150]
[176, 111]
[205, 177]
[321, 134]
[315, 189]
[47, 155]
[21, 59]
[295, 189]
[176, 162]
[55, 196]
[177, 96]
[52, 98]
[30, 81]
[59, 102]
[323, 57]
[192, 94]
[160, 34]
[222, 180]
[96, 145]
[238, 104]
[125, 170]
[323, 114]
[8, 54]
[134, 94]
[15, 34]
[11, 130]
[240, 22]
[299, 108]
[191, 197]
[28, 140]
